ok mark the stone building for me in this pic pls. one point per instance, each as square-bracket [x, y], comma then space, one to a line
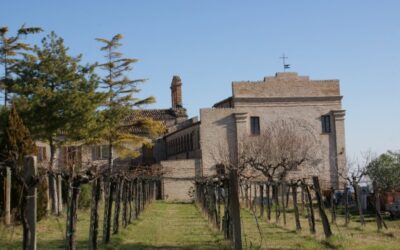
[187, 149]
[191, 148]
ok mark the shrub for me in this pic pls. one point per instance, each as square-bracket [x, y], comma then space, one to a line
[85, 196]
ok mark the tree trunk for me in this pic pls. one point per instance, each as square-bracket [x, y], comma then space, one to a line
[295, 207]
[125, 204]
[333, 206]
[59, 195]
[346, 205]
[275, 191]
[7, 194]
[262, 200]
[235, 210]
[283, 192]
[94, 214]
[310, 209]
[379, 219]
[29, 206]
[53, 180]
[255, 199]
[268, 202]
[130, 196]
[324, 218]
[72, 216]
[247, 195]
[109, 190]
[358, 200]
[302, 199]
[287, 196]
[117, 209]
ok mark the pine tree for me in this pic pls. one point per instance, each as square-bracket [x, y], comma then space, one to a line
[116, 130]
[16, 141]
[57, 97]
[10, 48]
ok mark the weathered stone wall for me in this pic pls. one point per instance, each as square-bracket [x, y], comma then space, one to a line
[217, 138]
[178, 179]
[286, 85]
[285, 96]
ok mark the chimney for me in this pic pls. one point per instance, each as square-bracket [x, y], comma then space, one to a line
[176, 92]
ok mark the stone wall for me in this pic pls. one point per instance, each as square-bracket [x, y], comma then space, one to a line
[178, 179]
[286, 85]
[285, 96]
[217, 138]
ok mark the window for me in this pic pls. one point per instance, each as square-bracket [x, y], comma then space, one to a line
[41, 153]
[255, 125]
[100, 152]
[191, 142]
[71, 155]
[326, 123]
[220, 169]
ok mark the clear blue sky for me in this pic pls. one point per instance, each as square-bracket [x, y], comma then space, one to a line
[212, 43]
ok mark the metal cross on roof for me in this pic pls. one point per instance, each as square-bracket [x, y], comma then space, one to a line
[285, 66]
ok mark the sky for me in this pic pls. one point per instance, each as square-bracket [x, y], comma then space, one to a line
[211, 43]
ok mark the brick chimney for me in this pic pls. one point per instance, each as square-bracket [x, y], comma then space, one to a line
[176, 92]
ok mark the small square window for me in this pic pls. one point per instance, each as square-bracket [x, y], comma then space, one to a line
[255, 125]
[326, 123]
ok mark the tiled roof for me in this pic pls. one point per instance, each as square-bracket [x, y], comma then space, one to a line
[155, 114]
[164, 116]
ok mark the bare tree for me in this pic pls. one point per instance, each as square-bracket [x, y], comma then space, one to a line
[285, 146]
[356, 172]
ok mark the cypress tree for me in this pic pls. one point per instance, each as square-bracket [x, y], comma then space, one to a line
[17, 141]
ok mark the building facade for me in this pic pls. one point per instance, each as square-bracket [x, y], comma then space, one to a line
[190, 147]
[250, 109]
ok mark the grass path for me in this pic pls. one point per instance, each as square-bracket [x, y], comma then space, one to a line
[169, 226]
[161, 226]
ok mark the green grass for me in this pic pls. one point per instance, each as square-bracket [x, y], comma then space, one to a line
[181, 226]
[169, 226]
[161, 226]
[353, 237]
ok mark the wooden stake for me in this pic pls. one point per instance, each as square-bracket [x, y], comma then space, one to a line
[30, 206]
[7, 205]
[324, 218]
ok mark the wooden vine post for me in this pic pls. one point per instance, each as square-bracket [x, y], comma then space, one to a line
[118, 191]
[275, 193]
[7, 205]
[75, 188]
[94, 214]
[268, 202]
[322, 214]
[333, 206]
[309, 207]
[235, 210]
[109, 190]
[30, 200]
[357, 194]
[261, 200]
[283, 192]
[379, 219]
[295, 207]
[346, 205]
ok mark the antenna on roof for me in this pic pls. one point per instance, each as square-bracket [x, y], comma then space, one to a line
[285, 66]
